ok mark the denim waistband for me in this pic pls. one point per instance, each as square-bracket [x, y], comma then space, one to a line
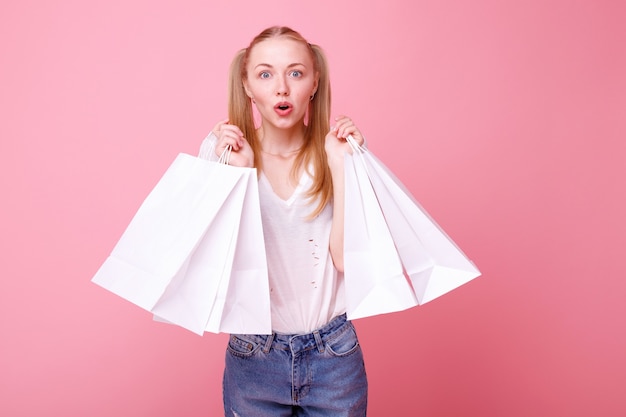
[316, 339]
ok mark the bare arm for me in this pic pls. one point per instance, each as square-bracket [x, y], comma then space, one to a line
[336, 147]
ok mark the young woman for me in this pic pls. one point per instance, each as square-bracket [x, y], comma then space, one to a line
[312, 364]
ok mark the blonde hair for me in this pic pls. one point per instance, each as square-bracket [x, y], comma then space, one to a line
[312, 153]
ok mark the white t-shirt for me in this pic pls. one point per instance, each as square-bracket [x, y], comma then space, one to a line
[306, 291]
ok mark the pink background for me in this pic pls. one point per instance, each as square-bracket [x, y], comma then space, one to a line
[506, 119]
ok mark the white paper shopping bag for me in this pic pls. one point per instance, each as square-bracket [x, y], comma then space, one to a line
[165, 230]
[433, 262]
[191, 295]
[421, 237]
[373, 274]
[178, 255]
[243, 305]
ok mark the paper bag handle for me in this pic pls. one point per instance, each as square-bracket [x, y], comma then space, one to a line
[225, 156]
[354, 145]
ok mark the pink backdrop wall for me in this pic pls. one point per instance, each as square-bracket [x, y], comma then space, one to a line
[506, 119]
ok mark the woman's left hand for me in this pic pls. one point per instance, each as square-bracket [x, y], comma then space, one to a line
[336, 144]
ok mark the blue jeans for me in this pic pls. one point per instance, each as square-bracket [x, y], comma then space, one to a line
[314, 375]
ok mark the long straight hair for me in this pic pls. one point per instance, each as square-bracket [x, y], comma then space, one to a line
[312, 154]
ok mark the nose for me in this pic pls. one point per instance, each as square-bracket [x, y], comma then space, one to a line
[282, 89]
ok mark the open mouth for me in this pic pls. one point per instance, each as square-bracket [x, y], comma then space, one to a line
[283, 109]
[283, 106]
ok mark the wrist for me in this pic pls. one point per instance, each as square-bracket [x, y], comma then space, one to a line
[335, 162]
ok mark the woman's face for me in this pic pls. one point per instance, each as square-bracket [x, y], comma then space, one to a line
[281, 79]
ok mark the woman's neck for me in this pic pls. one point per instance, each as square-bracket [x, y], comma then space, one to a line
[276, 141]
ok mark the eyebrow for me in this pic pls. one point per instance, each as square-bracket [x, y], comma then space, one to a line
[295, 64]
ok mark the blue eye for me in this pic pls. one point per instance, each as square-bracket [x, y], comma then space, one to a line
[296, 73]
[264, 74]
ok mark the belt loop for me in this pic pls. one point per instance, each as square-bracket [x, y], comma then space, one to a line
[318, 341]
[268, 343]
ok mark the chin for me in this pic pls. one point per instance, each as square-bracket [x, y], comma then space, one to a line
[288, 123]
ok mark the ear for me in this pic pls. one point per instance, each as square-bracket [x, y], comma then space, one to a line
[247, 90]
[316, 83]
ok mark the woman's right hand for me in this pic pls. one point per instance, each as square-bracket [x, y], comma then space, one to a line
[227, 134]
